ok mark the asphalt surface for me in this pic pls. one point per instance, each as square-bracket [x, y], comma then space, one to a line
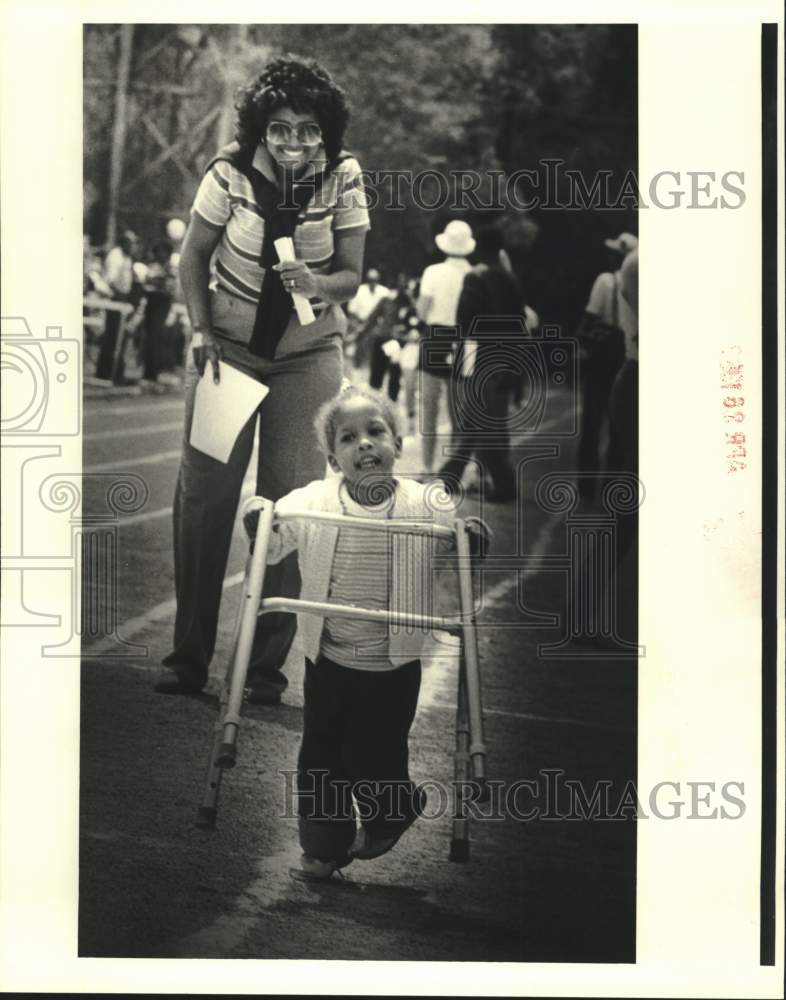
[537, 888]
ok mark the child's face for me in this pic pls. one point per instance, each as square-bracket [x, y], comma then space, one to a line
[364, 445]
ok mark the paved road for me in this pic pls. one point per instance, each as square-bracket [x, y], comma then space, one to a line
[535, 889]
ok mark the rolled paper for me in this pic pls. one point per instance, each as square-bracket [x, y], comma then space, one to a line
[285, 249]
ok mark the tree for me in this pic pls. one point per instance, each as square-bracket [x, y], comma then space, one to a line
[567, 93]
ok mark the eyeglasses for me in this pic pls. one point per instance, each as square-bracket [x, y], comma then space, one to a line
[308, 133]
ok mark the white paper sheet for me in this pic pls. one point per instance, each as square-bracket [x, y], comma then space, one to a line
[285, 248]
[220, 411]
[468, 358]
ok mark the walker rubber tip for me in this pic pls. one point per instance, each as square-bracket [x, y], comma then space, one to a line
[225, 757]
[206, 818]
[459, 850]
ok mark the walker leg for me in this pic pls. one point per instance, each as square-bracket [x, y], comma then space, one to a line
[477, 747]
[249, 610]
[459, 844]
[208, 811]
[223, 745]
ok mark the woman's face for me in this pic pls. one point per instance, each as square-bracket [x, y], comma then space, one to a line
[292, 138]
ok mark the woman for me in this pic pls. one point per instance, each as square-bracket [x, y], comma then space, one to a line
[285, 175]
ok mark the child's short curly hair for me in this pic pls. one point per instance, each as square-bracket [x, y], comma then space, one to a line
[300, 84]
[326, 419]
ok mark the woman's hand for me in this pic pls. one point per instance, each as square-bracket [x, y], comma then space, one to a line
[206, 348]
[298, 277]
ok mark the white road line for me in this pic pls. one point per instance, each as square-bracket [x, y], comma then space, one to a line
[134, 627]
[125, 463]
[547, 719]
[133, 431]
[539, 549]
[272, 886]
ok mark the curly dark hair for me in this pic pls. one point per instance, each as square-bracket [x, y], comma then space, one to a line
[300, 84]
[326, 419]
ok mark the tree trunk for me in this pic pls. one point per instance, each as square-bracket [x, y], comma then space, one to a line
[119, 129]
[236, 41]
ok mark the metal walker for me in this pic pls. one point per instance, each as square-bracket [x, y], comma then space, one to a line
[470, 753]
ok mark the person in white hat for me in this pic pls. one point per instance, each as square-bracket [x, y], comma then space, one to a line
[440, 288]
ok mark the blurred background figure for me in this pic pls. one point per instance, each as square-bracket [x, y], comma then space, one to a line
[178, 327]
[362, 312]
[410, 333]
[602, 345]
[118, 277]
[481, 386]
[624, 443]
[440, 288]
[92, 270]
[532, 322]
[385, 338]
[159, 287]
[617, 592]
[176, 230]
[623, 454]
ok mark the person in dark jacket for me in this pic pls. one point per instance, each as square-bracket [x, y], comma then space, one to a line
[485, 369]
[159, 287]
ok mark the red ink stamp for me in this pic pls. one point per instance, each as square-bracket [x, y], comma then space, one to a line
[732, 383]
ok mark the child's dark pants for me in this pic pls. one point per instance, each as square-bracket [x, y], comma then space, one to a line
[355, 729]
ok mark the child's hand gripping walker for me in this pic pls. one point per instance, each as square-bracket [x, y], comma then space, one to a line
[470, 754]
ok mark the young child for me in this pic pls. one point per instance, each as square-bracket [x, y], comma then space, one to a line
[362, 678]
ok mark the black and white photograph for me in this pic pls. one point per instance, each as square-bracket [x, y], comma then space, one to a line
[417, 238]
[367, 598]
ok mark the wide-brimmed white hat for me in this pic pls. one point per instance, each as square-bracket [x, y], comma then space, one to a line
[456, 240]
[623, 244]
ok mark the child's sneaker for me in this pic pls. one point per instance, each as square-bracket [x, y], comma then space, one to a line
[315, 870]
[366, 847]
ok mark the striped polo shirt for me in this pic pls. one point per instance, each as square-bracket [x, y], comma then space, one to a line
[360, 576]
[225, 202]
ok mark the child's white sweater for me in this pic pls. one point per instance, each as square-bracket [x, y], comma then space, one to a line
[412, 587]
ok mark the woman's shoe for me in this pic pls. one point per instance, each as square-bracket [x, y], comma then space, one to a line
[262, 692]
[170, 680]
